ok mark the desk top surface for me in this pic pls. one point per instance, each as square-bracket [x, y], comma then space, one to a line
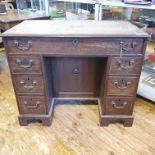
[89, 28]
[15, 16]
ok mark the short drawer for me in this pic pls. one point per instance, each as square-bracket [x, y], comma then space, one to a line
[117, 105]
[74, 46]
[28, 84]
[31, 104]
[122, 85]
[125, 65]
[25, 64]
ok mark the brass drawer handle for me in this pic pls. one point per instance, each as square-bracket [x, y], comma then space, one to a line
[125, 66]
[25, 66]
[125, 47]
[75, 42]
[122, 84]
[30, 106]
[21, 47]
[133, 44]
[34, 82]
[119, 104]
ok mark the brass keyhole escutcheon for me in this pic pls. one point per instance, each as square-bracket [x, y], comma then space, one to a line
[76, 71]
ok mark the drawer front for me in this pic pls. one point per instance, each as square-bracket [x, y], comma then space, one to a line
[31, 104]
[74, 46]
[25, 64]
[117, 105]
[122, 85]
[125, 65]
[28, 84]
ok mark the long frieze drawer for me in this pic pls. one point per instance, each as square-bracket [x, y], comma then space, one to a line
[28, 84]
[125, 65]
[117, 105]
[31, 104]
[25, 64]
[122, 85]
[74, 46]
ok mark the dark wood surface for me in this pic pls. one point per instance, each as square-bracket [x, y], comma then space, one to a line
[32, 104]
[119, 105]
[104, 66]
[64, 46]
[121, 85]
[18, 62]
[125, 66]
[29, 84]
[76, 77]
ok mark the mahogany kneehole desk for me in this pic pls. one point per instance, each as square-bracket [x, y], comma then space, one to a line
[75, 59]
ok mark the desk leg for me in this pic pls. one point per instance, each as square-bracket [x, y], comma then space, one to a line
[105, 120]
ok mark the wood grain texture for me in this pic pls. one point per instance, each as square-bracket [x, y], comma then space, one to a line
[84, 45]
[34, 105]
[122, 85]
[69, 133]
[22, 60]
[75, 28]
[25, 84]
[76, 77]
